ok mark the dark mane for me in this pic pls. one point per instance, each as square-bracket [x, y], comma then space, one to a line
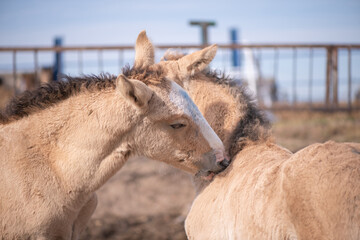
[253, 126]
[54, 92]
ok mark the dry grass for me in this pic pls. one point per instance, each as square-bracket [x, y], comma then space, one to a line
[295, 130]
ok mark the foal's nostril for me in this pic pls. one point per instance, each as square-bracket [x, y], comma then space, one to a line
[224, 163]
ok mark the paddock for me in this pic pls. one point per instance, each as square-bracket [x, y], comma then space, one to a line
[121, 214]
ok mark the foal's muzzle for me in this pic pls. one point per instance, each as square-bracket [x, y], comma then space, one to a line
[216, 162]
[224, 163]
[221, 160]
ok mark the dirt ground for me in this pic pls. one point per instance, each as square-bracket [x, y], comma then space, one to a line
[149, 200]
[144, 200]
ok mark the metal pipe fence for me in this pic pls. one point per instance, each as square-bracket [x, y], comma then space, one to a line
[333, 99]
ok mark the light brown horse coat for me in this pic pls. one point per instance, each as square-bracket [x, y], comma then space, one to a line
[59, 144]
[267, 192]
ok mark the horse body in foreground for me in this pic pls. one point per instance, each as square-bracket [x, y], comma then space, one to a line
[267, 192]
[62, 142]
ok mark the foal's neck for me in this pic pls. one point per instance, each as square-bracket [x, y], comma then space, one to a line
[229, 111]
[219, 110]
[87, 138]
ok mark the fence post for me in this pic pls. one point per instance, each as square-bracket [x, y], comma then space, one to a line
[335, 76]
[204, 25]
[332, 77]
[58, 65]
[328, 75]
[235, 55]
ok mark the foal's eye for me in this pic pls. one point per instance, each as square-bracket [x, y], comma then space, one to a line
[177, 125]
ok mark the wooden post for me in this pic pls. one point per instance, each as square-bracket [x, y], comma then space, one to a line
[328, 76]
[334, 76]
[204, 29]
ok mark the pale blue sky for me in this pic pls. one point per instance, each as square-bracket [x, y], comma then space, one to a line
[35, 22]
[111, 22]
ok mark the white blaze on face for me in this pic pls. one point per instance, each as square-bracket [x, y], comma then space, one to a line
[180, 98]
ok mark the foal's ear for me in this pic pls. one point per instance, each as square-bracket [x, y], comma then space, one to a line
[144, 51]
[134, 91]
[197, 61]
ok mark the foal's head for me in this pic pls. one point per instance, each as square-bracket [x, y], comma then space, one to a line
[226, 105]
[173, 130]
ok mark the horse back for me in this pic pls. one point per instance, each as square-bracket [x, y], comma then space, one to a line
[322, 190]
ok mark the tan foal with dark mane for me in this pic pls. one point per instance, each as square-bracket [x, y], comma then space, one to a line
[267, 192]
[63, 141]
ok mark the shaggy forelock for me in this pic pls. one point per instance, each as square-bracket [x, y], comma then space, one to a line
[152, 75]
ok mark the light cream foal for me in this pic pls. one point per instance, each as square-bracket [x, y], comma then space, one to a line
[267, 192]
[62, 142]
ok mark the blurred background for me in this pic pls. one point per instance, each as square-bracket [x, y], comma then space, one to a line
[300, 59]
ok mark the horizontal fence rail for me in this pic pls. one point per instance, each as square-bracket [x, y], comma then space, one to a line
[284, 92]
[184, 46]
